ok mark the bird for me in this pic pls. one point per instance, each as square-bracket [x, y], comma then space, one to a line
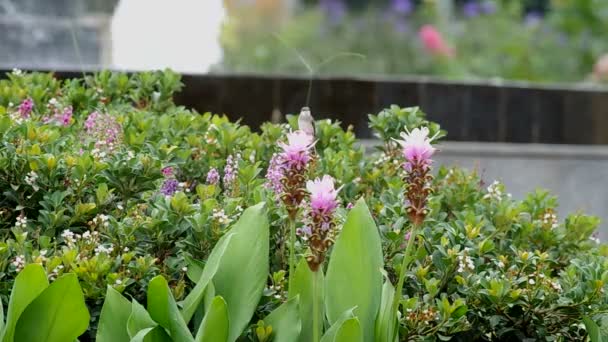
[306, 123]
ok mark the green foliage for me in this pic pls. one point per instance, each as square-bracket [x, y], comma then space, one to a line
[139, 220]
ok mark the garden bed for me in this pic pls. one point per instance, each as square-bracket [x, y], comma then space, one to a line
[124, 216]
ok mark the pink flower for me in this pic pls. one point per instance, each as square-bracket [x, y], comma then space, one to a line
[296, 153]
[26, 107]
[167, 171]
[433, 41]
[417, 146]
[323, 195]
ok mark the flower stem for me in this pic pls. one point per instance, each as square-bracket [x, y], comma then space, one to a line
[292, 252]
[404, 264]
[316, 333]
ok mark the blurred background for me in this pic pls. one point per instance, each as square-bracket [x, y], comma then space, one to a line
[520, 85]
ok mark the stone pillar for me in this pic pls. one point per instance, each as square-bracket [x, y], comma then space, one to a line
[55, 34]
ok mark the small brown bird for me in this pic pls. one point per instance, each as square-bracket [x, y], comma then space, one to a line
[306, 122]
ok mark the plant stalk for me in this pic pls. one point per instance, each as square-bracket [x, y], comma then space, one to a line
[404, 264]
[316, 333]
[292, 252]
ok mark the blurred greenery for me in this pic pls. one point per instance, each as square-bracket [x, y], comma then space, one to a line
[490, 39]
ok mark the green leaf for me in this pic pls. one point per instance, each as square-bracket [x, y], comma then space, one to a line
[1, 317]
[354, 277]
[30, 283]
[164, 311]
[593, 330]
[114, 317]
[215, 326]
[302, 286]
[156, 334]
[194, 298]
[331, 333]
[58, 314]
[139, 319]
[285, 321]
[386, 322]
[243, 269]
[350, 331]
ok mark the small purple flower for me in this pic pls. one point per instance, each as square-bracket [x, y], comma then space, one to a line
[334, 9]
[213, 177]
[26, 107]
[275, 174]
[471, 9]
[350, 205]
[230, 171]
[533, 18]
[169, 187]
[65, 118]
[403, 7]
[167, 171]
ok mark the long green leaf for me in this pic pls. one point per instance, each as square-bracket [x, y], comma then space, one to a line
[330, 334]
[353, 274]
[1, 319]
[386, 323]
[243, 269]
[114, 317]
[350, 331]
[302, 286]
[215, 326]
[30, 282]
[194, 298]
[285, 321]
[164, 311]
[58, 314]
[139, 320]
[593, 330]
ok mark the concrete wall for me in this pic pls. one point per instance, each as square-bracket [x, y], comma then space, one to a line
[578, 175]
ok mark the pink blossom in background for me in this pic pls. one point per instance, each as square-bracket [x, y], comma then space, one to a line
[167, 171]
[600, 69]
[433, 41]
[26, 107]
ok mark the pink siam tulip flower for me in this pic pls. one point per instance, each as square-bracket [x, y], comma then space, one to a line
[296, 153]
[321, 230]
[322, 196]
[433, 41]
[417, 148]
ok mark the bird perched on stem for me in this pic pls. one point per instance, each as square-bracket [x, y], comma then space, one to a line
[306, 123]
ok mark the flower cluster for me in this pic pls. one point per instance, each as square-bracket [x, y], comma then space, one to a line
[274, 174]
[169, 187]
[220, 216]
[19, 263]
[417, 150]
[25, 108]
[295, 157]
[230, 173]
[61, 118]
[549, 219]
[213, 177]
[321, 232]
[105, 131]
[21, 222]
